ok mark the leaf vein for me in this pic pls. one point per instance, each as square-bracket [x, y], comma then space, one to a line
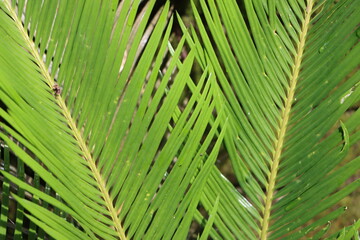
[284, 122]
[71, 123]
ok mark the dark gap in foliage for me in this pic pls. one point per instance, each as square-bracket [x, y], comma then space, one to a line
[224, 164]
[197, 227]
[182, 7]
[35, 181]
[242, 8]
[149, 223]
[2, 120]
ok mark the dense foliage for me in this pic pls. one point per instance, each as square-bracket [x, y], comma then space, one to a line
[107, 133]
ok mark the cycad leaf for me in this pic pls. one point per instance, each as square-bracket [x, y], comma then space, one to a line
[103, 143]
[287, 70]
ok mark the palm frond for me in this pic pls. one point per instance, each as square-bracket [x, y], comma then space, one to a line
[92, 105]
[287, 70]
[107, 143]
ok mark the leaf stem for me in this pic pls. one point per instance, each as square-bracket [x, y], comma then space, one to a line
[284, 122]
[71, 123]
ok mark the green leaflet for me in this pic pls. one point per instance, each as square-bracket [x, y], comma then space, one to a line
[128, 148]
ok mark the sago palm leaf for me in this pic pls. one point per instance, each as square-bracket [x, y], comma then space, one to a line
[288, 71]
[96, 115]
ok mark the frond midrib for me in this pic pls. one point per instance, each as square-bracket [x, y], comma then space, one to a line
[283, 125]
[71, 123]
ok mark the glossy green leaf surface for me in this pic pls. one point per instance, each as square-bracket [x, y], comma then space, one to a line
[112, 121]
[287, 71]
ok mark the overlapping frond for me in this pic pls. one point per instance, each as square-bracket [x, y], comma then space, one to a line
[88, 110]
[91, 96]
[287, 70]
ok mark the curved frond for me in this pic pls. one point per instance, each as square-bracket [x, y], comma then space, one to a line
[94, 113]
[288, 71]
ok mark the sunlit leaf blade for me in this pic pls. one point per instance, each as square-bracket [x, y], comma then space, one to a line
[49, 220]
[89, 112]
